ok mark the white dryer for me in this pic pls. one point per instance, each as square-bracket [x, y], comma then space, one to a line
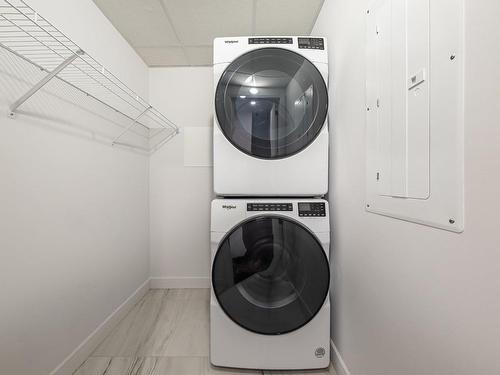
[269, 306]
[270, 123]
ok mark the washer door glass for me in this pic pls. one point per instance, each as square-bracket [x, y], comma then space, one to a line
[270, 275]
[271, 103]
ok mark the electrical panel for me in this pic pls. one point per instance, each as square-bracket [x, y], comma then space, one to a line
[414, 101]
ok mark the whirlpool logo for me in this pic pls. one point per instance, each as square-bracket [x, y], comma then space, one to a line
[230, 41]
[320, 352]
[229, 206]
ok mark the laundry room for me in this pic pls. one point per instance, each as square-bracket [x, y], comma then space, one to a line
[210, 187]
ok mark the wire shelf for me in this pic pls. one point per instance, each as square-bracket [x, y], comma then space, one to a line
[24, 33]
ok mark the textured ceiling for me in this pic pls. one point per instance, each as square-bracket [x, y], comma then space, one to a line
[180, 32]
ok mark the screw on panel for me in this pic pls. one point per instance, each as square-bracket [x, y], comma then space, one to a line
[452, 221]
[452, 57]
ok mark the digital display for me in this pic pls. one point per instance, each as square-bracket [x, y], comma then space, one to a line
[312, 209]
[311, 43]
[304, 206]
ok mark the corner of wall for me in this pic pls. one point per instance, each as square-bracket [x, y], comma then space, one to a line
[76, 358]
[337, 361]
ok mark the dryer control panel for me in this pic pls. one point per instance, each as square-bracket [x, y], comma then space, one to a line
[270, 40]
[311, 43]
[312, 209]
[269, 207]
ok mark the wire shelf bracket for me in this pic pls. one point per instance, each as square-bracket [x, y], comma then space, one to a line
[42, 83]
[27, 35]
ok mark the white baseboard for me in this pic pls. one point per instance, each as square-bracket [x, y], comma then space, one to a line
[337, 361]
[82, 352]
[179, 282]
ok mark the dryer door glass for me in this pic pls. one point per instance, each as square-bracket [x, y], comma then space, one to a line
[270, 275]
[271, 103]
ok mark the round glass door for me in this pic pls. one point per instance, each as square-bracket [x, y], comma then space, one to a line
[271, 103]
[270, 275]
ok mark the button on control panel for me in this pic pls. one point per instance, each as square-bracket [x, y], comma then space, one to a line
[270, 41]
[312, 209]
[269, 207]
[311, 43]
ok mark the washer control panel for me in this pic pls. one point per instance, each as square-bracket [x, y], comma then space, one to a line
[270, 41]
[269, 207]
[312, 209]
[311, 43]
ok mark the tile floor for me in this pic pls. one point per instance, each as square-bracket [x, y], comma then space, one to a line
[166, 333]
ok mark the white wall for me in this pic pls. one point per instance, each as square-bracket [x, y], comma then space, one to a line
[73, 210]
[409, 299]
[180, 196]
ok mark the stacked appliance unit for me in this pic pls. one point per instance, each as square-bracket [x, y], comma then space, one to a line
[270, 233]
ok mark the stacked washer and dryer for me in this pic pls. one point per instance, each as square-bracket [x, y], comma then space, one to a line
[270, 231]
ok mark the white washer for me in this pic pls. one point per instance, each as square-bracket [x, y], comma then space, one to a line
[269, 305]
[270, 121]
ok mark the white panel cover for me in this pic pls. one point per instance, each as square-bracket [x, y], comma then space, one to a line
[398, 96]
[415, 111]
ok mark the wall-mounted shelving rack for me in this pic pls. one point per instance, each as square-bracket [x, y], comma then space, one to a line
[24, 33]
